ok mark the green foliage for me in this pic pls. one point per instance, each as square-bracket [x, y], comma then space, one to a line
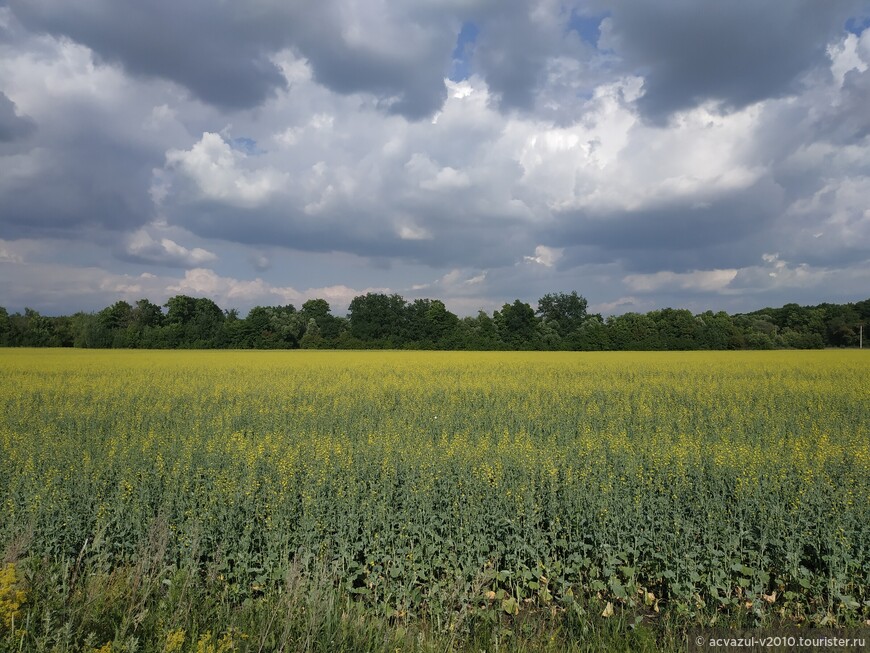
[316, 500]
[5, 327]
[272, 327]
[378, 318]
[312, 338]
[517, 327]
[380, 321]
[117, 316]
[145, 314]
[633, 331]
[328, 325]
[564, 312]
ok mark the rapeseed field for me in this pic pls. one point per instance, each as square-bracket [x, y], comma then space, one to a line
[315, 500]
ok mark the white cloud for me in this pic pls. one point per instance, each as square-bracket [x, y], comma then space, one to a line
[203, 281]
[621, 305]
[320, 122]
[842, 206]
[830, 225]
[8, 253]
[160, 116]
[260, 261]
[446, 179]
[338, 296]
[69, 288]
[39, 84]
[546, 256]
[229, 291]
[410, 231]
[165, 251]
[216, 169]
[697, 280]
[473, 281]
[611, 161]
[462, 290]
[778, 273]
[847, 55]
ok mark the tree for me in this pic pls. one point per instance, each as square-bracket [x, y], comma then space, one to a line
[718, 331]
[315, 308]
[677, 328]
[34, 330]
[593, 335]
[441, 324]
[377, 318]
[145, 314]
[180, 309]
[759, 340]
[274, 327]
[88, 332]
[117, 316]
[428, 323]
[192, 322]
[204, 328]
[5, 327]
[517, 325]
[319, 310]
[548, 336]
[478, 333]
[802, 340]
[563, 312]
[232, 333]
[312, 338]
[633, 331]
[840, 327]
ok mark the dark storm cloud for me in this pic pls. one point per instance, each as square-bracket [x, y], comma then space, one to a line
[82, 167]
[741, 253]
[511, 72]
[516, 42]
[398, 52]
[735, 53]
[211, 49]
[459, 239]
[221, 52]
[412, 91]
[677, 236]
[63, 196]
[12, 126]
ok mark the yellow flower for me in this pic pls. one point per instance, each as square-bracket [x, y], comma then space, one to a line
[12, 597]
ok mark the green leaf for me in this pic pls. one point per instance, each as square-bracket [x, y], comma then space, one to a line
[510, 606]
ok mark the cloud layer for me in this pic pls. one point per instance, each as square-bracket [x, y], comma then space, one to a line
[645, 156]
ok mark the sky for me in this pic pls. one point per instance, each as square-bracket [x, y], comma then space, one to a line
[654, 153]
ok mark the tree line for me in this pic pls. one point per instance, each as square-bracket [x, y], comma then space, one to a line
[388, 321]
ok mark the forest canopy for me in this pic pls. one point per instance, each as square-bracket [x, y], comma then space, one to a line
[381, 321]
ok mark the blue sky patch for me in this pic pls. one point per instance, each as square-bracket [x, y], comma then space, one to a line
[246, 145]
[857, 24]
[463, 52]
[587, 27]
